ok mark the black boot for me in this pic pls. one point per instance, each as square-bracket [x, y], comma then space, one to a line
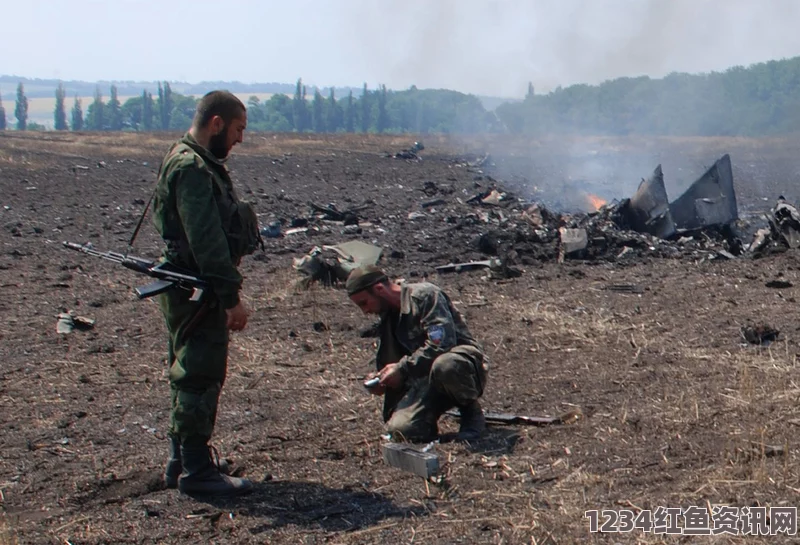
[175, 466]
[473, 423]
[203, 478]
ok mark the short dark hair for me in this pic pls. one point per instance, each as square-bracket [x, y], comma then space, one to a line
[222, 103]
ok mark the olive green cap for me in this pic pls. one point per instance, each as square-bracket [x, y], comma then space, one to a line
[363, 278]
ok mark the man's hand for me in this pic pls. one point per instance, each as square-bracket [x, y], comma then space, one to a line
[391, 376]
[237, 317]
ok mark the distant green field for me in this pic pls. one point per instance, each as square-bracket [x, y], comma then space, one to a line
[40, 110]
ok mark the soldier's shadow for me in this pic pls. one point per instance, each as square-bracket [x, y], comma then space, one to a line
[311, 504]
[496, 440]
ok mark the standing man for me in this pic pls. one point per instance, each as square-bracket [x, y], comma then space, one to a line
[207, 231]
[427, 360]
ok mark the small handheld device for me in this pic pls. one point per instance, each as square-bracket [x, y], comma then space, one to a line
[371, 383]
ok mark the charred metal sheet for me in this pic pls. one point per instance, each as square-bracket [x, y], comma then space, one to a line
[649, 207]
[710, 200]
[573, 240]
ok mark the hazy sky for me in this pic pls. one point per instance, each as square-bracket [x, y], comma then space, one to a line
[478, 46]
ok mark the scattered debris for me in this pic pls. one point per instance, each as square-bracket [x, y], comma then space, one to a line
[355, 253]
[204, 514]
[434, 202]
[319, 327]
[761, 240]
[273, 230]
[432, 189]
[785, 223]
[316, 267]
[351, 230]
[331, 213]
[492, 197]
[411, 153]
[470, 266]
[478, 163]
[629, 229]
[767, 451]
[624, 288]
[781, 233]
[67, 321]
[505, 230]
[533, 214]
[779, 284]
[573, 241]
[295, 230]
[761, 334]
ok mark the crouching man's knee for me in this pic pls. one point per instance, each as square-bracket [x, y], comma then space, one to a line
[460, 374]
[405, 426]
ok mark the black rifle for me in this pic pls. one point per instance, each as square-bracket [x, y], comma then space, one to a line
[168, 276]
[506, 418]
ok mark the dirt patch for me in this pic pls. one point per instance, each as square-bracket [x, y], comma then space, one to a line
[679, 409]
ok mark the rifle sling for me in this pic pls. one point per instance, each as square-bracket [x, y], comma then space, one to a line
[198, 317]
[141, 220]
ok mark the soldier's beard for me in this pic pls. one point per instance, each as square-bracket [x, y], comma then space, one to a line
[218, 144]
[383, 306]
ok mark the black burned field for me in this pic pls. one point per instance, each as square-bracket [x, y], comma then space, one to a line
[667, 350]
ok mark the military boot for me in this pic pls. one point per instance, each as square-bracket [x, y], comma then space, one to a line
[202, 477]
[473, 423]
[175, 465]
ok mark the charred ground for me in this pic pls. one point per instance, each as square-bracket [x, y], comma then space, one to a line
[678, 408]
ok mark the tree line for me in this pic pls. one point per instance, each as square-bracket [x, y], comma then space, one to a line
[762, 99]
[378, 111]
[169, 111]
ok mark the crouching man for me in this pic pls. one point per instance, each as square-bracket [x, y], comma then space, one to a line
[427, 360]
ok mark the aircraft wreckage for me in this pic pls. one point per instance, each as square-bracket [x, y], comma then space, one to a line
[497, 231]
[709, 201]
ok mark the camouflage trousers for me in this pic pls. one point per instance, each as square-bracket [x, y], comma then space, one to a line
[198, 362]
[457, 378]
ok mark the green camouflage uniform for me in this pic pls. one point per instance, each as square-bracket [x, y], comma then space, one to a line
[443, 365]
[198, 215]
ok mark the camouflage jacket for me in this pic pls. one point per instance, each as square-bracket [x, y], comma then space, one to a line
[194, 210]
[428, 325]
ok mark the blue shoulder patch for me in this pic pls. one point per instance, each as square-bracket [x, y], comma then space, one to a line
[436, 334]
